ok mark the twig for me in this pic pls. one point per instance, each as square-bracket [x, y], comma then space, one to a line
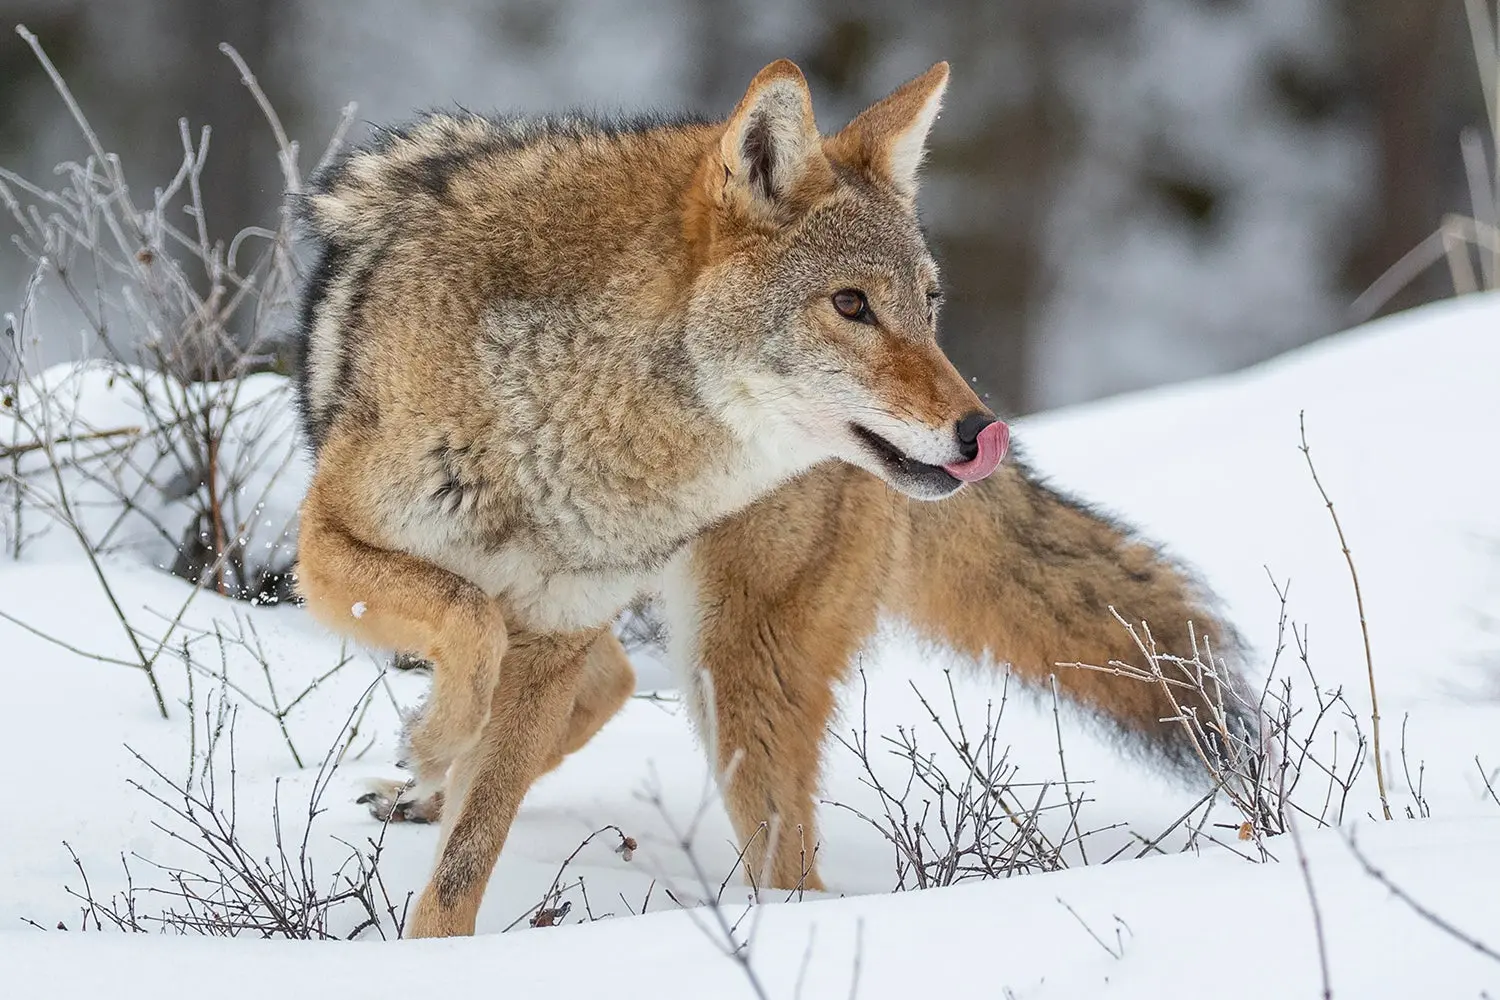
[286, 149]
[12, 451]
[1117, 952]
[552, 899]
[859, 957]
[1426, 914]
[1317, 913]
[1359, 602]
[1062, 763]
[97, 657]
[724, 935]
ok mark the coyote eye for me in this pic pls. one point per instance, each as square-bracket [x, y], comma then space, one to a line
[852, 304]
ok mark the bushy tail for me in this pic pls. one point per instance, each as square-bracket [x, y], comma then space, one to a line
[1016, 571]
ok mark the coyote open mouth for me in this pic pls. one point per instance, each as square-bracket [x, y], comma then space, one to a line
[902, 464]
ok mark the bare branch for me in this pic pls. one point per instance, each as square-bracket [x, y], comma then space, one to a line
[1364, 628]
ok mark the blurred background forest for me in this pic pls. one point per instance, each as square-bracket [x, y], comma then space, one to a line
[1121, 192]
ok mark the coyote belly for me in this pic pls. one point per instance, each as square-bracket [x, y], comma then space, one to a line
[541, 357]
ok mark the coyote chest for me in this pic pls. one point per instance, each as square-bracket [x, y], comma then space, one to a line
[587, 553]
[567, 496]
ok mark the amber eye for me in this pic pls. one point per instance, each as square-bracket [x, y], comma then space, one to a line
[852, 304]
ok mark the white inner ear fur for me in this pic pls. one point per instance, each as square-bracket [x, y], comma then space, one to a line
[909, 147]
[778, 115]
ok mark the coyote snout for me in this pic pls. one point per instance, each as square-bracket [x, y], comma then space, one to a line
[934, 463]
[914, 421]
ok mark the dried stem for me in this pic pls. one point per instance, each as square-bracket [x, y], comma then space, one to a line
[1422, 911]
[1317, 913]
[1364, 628]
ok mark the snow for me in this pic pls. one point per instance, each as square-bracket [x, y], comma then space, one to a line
[1195, 924]
[1400, 415]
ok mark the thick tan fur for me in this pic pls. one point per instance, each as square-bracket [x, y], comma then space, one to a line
[1006, 570]
[549, 363]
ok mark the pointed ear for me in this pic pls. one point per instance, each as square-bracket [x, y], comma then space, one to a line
[888, 139]
[770, 143]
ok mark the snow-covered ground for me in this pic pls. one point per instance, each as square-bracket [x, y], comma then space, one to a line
[1402, 417]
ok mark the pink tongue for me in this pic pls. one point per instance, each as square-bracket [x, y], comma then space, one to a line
[993, 442]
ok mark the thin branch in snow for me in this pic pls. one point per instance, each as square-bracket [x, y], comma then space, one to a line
[1488, 779]
[1422, 911]
[1317, 912]
[1359, 603]
[1121, 929]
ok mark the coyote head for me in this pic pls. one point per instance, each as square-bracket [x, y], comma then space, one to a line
[814, 314]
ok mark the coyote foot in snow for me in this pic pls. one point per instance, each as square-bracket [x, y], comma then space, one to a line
[400, 802]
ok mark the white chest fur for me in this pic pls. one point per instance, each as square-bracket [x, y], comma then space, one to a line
[580, 571]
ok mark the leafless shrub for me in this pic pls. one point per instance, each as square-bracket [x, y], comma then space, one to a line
[1257, 768]
[181, 320]
[183, 327]
[962, 813]
[240, 637]
[230, 890]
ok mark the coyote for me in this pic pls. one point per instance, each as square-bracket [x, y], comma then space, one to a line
[550, 364]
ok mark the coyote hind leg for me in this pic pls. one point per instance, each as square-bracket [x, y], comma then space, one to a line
[391, 600]
[606, 683]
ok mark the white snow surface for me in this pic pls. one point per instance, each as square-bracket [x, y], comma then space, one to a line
[1402, 416]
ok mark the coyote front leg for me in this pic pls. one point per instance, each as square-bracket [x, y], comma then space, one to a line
[529, 714]
[788, 613]
[391, 600]
[606, 684]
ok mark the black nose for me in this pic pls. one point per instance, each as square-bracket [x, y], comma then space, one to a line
[968, 432]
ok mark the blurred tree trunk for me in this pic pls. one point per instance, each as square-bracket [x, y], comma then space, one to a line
[1415, 72]
[242, 184]
[992, 259]
[242, 181]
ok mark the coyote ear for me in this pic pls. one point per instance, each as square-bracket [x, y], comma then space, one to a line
[888, 139]
[770, 143]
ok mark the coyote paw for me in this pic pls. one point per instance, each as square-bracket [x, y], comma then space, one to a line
[402, 802]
